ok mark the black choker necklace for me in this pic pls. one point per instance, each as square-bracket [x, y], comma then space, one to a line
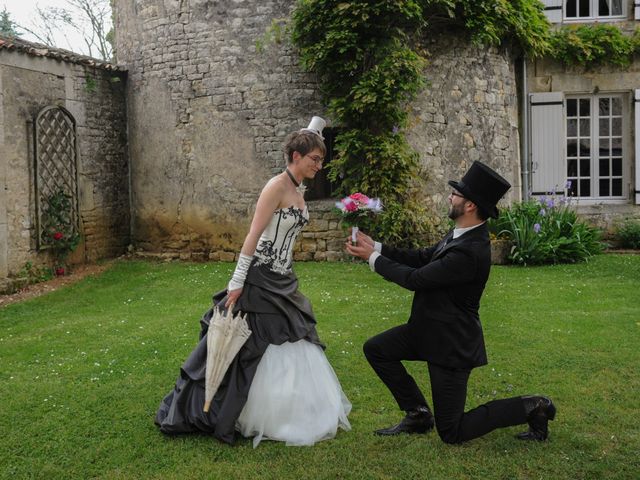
[300, 188]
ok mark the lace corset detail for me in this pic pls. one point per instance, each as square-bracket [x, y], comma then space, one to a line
[275, 247]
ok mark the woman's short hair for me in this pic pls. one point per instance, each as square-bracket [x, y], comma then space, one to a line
[303, 143]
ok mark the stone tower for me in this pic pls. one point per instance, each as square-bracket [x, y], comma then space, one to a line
[208, 111]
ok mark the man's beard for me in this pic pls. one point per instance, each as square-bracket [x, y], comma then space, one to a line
[456, 211]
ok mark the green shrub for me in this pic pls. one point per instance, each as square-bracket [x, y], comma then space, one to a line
[35, 274]
[629, 234]
[546, 230]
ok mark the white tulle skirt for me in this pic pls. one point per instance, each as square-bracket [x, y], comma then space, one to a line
[295, 397]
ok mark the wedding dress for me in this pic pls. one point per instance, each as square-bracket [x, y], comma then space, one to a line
[280, 386]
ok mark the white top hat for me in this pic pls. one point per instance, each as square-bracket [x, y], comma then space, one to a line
[315, 126]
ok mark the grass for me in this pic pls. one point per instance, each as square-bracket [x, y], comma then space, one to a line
[83, 369]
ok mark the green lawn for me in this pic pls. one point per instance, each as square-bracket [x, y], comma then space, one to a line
[83, 369]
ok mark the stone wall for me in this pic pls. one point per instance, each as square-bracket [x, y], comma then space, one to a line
[468, 112]
[31, 80]
[208, 112]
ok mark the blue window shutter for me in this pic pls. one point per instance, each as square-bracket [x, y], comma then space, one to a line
[548, 164]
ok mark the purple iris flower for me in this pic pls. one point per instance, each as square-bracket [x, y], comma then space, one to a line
[536, 228]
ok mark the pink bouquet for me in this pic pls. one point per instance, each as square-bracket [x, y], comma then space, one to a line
[355, 207]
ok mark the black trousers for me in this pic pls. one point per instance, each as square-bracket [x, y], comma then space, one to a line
[448, 388]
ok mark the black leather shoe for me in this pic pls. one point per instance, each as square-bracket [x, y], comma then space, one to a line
[419, 420]
[539, 411]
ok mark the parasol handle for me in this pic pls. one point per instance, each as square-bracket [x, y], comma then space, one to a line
[207, 404]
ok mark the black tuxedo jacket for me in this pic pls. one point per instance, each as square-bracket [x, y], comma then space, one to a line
[448, 282]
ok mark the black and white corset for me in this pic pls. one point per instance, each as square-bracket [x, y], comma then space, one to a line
[275, 247]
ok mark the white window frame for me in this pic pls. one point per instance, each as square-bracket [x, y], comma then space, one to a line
[594, 148]
[591, 17]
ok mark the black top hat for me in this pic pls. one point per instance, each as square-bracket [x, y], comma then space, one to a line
[482, 186]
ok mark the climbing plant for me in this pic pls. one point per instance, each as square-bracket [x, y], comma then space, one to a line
[370, 61]
[594, 45]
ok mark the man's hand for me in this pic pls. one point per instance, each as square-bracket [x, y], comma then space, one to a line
[363, 249]
[364, 238]
[232, 297]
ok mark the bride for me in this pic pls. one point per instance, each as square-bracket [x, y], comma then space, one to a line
[280, 385]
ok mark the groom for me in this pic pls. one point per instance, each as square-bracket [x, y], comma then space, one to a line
[444, 327]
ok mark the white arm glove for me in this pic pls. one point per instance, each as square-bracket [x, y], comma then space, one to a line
[240, 273]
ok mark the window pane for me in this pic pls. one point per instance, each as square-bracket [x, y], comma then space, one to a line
[572, 128]
[616, 106]
[616, 187]
[603, 8]
[584, 8]
[585, 167]
[603, 171]
[616, 146]
[604, 127]
[615, 7]
[572, 168]
[571, 8]
[585, 188]
[585, 126]
[585, 107]
[572, 107]
[585, 148]
[573, 188]
[604, 147]
[617, 167]
[603, 105]
[616, 127]
[572, 148]
[604, 188]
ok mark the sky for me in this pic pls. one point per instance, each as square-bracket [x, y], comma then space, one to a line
[23, 12]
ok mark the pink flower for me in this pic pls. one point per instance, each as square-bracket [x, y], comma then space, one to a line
[57, 236]
[359, 204]
[349, 204]
[361, 198]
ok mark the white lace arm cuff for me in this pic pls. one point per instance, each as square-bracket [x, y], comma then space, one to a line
[240, 273]
[377, 246]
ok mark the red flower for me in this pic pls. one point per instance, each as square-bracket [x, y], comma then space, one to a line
[59, 271]
[58, 236]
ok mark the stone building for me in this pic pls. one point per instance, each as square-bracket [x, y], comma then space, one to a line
[582, 123]
[209, 104]
[62, 129]
[176, 141]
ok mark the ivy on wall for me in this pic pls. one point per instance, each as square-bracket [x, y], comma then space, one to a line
[370, 61]
[591, 46]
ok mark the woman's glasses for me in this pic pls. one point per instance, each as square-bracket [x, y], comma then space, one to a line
[317, 159]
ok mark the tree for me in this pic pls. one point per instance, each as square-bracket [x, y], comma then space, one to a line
[90, 18]
[8, 27]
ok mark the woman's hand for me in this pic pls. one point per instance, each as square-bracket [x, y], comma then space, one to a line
[232, 297]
